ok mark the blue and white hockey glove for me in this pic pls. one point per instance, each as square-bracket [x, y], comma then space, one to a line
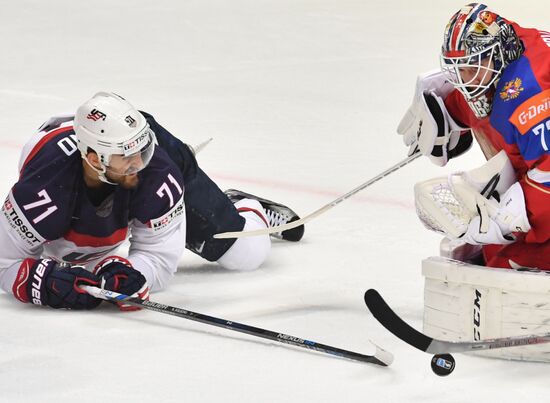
[45, 282]
[117, 274]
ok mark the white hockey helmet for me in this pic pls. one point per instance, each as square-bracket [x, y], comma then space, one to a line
[110, 126]
[481, 43]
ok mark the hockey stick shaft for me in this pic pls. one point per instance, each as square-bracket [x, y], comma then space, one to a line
[309, 217]
[199, 147]
[391, 321]
[381, 357]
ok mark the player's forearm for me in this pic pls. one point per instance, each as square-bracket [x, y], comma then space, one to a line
[13, 252]
[157, 258]
[8, 276]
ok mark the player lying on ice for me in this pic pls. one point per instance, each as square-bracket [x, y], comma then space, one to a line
[494, 84]
[89, 181]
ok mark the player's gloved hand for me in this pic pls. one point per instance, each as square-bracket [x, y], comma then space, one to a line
[496, 226]
[427, 126]
[117, 274]
[45, 282]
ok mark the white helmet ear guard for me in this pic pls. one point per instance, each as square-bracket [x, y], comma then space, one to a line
[109, 125]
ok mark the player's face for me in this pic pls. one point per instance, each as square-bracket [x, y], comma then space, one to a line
[123, 170]
[126, 181]
[120, 165]
[477, 75]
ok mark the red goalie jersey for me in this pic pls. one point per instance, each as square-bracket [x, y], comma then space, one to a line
[519, 123]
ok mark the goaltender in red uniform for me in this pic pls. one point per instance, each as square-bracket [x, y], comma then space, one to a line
[494, 84]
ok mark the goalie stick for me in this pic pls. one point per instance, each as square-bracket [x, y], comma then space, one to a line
[389, 319]
[380, 357]
[311, 216]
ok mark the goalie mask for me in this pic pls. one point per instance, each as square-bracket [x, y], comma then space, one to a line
[478, 45]
[111, 127]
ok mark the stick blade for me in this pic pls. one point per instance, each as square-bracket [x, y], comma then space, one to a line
[382, 355]
[388, 318]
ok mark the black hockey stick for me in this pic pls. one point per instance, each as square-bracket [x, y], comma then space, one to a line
[389, 319]
[381, 357]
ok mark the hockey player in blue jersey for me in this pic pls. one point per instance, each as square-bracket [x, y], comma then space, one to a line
[90, 181]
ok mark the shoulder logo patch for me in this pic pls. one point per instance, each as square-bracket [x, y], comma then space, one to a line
[511, 89]
[175, 215]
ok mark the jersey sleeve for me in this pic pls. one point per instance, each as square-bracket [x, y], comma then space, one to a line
[158, 225]
[38, 207]
[156, 256]
[536, 189]
[19, 241]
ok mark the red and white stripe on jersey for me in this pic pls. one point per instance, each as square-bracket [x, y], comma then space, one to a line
[69, 252]
[95, 241]
[38, 141]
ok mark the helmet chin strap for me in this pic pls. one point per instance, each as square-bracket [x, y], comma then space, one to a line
[100, 172]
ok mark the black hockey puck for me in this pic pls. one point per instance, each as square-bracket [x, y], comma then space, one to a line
[443, 364]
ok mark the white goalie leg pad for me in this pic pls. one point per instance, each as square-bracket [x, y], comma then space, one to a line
[448, 204]
[465, 302]
[248, 253]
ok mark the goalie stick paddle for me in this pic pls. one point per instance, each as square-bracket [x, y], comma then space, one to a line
[380, 357]
[318, 212]
[391, 321]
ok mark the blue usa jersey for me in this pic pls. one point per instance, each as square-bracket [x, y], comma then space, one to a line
[50, 212]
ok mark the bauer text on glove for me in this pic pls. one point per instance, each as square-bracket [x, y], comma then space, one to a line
[45, 282]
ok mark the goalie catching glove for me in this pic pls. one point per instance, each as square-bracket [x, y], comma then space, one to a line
[117, 274]
[427, 126]
[482, 206]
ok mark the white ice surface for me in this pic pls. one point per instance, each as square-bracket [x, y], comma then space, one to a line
[302, 98]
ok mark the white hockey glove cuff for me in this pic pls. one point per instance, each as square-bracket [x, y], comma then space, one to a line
[497, 226]
[427, 126]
